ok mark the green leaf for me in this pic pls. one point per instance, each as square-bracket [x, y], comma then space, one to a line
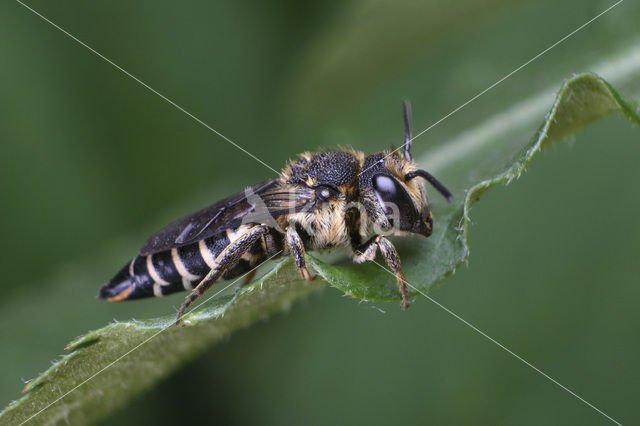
[136, 354]
[162, 349]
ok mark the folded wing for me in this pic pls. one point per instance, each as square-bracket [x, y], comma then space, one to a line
[261, 203]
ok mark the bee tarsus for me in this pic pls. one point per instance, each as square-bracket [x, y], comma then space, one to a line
[295, 246]
[367, 252]
[228, 258]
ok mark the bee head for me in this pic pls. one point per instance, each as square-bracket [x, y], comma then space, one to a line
[393, 199]
[391, 203]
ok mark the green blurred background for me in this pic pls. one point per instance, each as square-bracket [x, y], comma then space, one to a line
[91, 163]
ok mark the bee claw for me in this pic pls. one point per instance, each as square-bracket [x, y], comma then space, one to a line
[404, 291]
[306, 275]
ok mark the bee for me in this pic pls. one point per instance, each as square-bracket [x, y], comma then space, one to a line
[321, 200]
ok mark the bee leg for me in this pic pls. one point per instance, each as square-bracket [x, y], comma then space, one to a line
[225, 260]
[248, 277]
[296, 248]
[367, 252]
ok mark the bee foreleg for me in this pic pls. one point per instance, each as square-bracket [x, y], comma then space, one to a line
[367, 252]
[296, 248]
[225, 260]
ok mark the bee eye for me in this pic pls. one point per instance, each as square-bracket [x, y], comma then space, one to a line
[393, 199]
[386, 190]
[385, 187]
[323, 193]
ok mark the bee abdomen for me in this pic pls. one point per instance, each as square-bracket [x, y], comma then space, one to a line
[178, 269]
[166, 272]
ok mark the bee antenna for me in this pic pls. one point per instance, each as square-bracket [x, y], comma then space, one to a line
[433, 181]
[406, 112]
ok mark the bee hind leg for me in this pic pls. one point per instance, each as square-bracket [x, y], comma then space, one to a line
[248, 277]
[367, 252]
[224, 261]
[296, 248]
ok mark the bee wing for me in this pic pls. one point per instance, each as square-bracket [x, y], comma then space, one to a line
[260, 203]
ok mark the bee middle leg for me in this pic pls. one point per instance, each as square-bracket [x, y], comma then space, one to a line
[296, 248]
[225, 260]
[367, 252]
